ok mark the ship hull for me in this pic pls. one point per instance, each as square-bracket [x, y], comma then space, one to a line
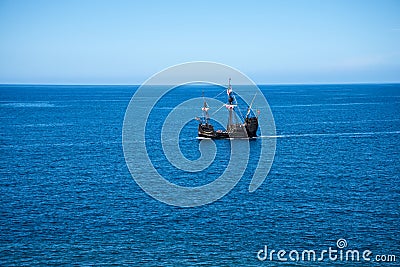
[207, 131]
[251, 126]
[246, 130]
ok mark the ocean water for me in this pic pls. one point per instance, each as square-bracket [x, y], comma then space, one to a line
[67, 196]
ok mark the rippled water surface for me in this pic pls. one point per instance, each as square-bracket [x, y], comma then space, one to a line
[68, 197]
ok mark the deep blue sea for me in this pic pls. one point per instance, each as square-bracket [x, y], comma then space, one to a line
[67, 196]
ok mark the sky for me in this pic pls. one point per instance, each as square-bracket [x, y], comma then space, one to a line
[126, 42]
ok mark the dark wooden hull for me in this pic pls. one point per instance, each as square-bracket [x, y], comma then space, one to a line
[251, 126]
[246, 130]
[207, 131]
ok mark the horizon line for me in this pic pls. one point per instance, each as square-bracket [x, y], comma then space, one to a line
[127, 84]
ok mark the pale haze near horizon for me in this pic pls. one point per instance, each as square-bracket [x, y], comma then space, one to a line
[125, 42]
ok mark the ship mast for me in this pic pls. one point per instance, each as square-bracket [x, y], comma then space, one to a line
[205, 109]
[230, 106]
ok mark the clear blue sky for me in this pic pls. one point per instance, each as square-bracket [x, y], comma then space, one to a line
[125, 42]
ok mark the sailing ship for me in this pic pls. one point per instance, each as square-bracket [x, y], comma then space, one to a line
[235, 127]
